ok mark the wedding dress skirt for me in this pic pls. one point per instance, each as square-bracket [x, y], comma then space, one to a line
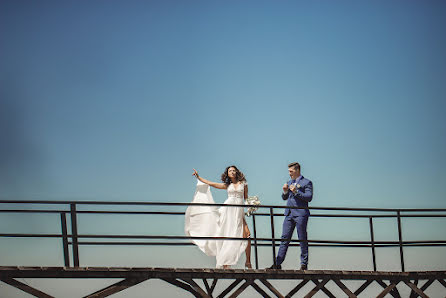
[210, 221]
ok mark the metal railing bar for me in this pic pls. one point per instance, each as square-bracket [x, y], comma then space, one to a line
[18, 235]
[256, 253]
[134, 212]
[273, 236]
[134, 243]
[219, 238]
[74, 237]
[182, 213]
[360, 215]
[259, 244]
[377, 216]
[372, 240]
[32, 211]
[63, 223]
[400, 238]
[205, 204]
[191, 244]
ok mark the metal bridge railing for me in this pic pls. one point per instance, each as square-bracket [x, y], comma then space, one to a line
[75, 239]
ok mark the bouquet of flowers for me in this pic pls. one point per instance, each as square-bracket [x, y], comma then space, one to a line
[254, 202]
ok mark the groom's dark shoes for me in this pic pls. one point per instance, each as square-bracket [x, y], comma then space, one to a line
[275, 267]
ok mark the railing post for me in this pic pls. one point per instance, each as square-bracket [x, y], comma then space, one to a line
[400, 239]
[271, 213]
[255, 240]
[75, 244]
[66, 254]
[372, 240]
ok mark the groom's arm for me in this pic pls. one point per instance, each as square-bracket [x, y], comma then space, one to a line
[285, 189]
[285, 196]
[305, 193]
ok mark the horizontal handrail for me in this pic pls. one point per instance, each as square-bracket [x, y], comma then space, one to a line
[262, 244]
[216, 205]
[182, 213]
[98, 236]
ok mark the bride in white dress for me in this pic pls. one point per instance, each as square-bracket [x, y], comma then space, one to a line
[221, 222]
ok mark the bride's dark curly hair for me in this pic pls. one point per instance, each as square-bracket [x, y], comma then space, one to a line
[239, 176]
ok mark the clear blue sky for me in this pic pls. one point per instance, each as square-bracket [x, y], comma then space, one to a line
[119, 100]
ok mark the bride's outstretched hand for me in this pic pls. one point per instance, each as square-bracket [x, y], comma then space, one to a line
[195, 173]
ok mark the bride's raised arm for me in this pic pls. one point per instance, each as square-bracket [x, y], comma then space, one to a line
[210, 183]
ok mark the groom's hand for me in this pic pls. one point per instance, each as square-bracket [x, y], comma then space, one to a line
[285, 188]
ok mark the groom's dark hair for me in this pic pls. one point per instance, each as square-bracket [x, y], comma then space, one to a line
[296, 165]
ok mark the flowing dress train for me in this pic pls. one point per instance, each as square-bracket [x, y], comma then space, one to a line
[209, 221]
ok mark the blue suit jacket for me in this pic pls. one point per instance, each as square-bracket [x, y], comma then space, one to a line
[301, 198]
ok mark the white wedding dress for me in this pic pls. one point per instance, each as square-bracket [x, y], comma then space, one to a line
[209, 221]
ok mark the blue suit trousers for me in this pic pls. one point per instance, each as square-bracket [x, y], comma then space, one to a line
[289, 223]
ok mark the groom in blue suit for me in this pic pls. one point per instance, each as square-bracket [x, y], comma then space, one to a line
[298, 191]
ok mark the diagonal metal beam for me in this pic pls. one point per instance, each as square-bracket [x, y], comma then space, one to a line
[386, 290]
[182, 285]
[363, 287]
[413, 294]
[117, 287]
[260, 290]
[344, 288]
[442, 282]
[271, 288]
[319, 285]
[206, 284]
[423, 288]
[25, 288]
[229, 289]
[214, 283]
[394, 291]
[297, 288]
[323, 288]
[416, 289]
[243, 287]
[427, 284]
[195, 286]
